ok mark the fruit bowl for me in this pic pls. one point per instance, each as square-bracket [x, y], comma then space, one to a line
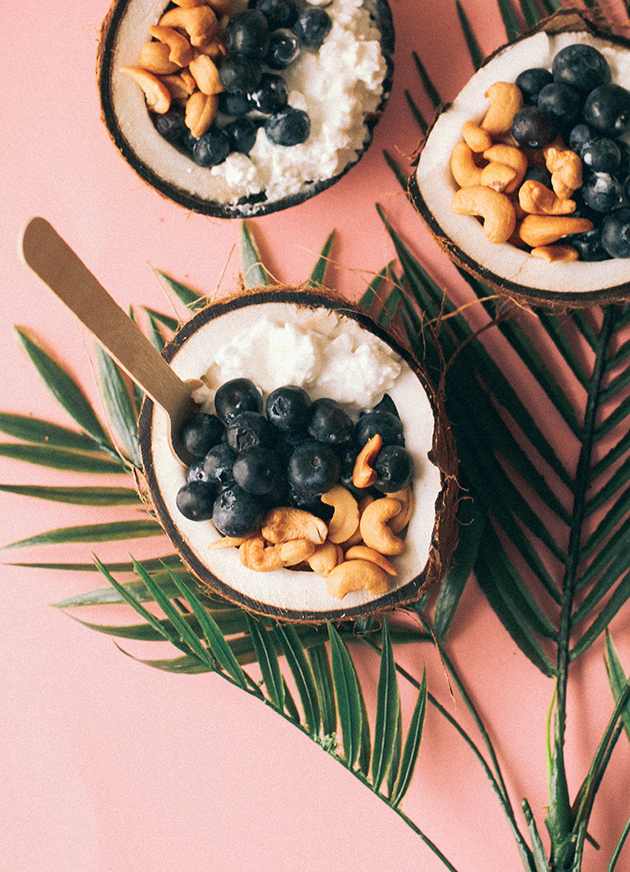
[569, 268]
[298, 593]
[237, 135]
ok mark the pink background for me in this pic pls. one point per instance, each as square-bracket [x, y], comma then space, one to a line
[109, 766]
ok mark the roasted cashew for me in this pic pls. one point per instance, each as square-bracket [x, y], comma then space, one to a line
[565, 167]
[537, 230]
[476, 137]
[154, 58]
[463, 167]
[556, 253]
[201, 110]
[363, 475]
[179, 86]
[505, 101]
[295, 551]
[374, 530]
[285, 523]
[362, 552]
[345, 519]
[357, 575]
[156, 93]
[226, 542]
[325, 557]
[206, 74]
[215, 49]
[180, 49]
[199, 22]
[499, 217]
[405, 498]
[536, 199]
[254, 554]
[497, 176]
[511, 157]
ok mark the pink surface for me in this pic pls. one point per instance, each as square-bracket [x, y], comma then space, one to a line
[108, 766]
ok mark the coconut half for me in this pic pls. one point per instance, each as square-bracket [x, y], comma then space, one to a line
[295, 594]
[504, 267]
[344, 88]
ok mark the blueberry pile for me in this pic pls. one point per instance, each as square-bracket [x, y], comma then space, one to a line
[261, 41]
[253, 455]
[577, 100]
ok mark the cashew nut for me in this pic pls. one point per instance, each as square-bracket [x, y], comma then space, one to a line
[497, 176]
[156, 93]
[285, 523]
[215, 49]
[295, 551]
[199, 22]
[180, 49]
[179, 86]
[255, 555]
[325, 557]
[463, 167]
[201, 110]
[537, 199]
[374, 530]
[362, 552]
[565, 167]
[206, 74]
[556, 253]
[537, 230]
[363, 474]
[357, 575]
[345, 519]
[511, 157]
[499, 217]
[405, 498]
[154, 58]
[505, 99]
[476, 137]
[226, 542]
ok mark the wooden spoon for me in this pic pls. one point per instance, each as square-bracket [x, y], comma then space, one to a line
[51, 258]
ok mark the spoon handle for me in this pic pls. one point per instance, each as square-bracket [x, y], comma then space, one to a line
[51, 258]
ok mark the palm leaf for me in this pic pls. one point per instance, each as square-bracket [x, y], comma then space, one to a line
[387, 712]
[317, 277]
[42, 432]
[412, 745]
[79, 496]
[189, 297]
[297, 661]
[67, 459]
[121, 411]
[617, 679]
[268, 662]
[348, 697]
[106, 532]
[255, 274]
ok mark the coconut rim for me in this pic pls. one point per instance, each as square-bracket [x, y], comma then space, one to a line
[251, 206]
[442, 456]
[562, 21]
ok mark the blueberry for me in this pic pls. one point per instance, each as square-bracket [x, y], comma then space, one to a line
[589, 245]
[562, 101]
[172, 125]
[615, 232]
[256, 470]
[271, 95]
[313, 468]
[286, 441]
[580, 136]
[249, 430]
[201, 432]
[388, 426]
[212, 148]
[242, 134]
[602, 192]
[195, 500]
[607, 110]
[234, 104]
[196, 472]
[289, 127]
[532, 81]
[236, 396]
[284, 47]
[313, 26]
[394, 469]
[624, 164]
[218, 463]
[237, 513]
[386, 405]
[534, 128]
[279, 13]
[538, 174]
[240, 75]
[247, 35]
[602, 155]
[310, 503]
[288, 408]
[581, 66]
[329, 422]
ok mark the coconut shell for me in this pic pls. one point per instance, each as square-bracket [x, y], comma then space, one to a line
[562, 21]
[441, 455]
[256, 204]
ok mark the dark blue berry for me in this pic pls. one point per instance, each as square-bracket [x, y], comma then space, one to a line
[271, 95]
[257, 470]
[386, 405]
[615, 231]
[234, 104]
[329, 422]
[534, 128]
[201, 432]
[310, 503]
[242, 134]
[237, 513]
[289, 127]
[388, 426]
[172, 125]
[212, 148]
[236, 396]
[284, 47]
[562, 101]
[601, 192]
[247, 35]
[538, 174]
[394, 469]
[217, 464]
[589, 245]
[581, 66]
[195, 500]
[602, 155]
[279, 13]
[580, 136]
[240, 75]
[531, 82]
[313, 468]
[607, 110]
[288, 408]
[348, 457]
[249, 430]
[196, 472]
[313, 26]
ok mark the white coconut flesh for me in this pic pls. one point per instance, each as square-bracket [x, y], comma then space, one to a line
[437, 186]
[292, 590]
[340, 86]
